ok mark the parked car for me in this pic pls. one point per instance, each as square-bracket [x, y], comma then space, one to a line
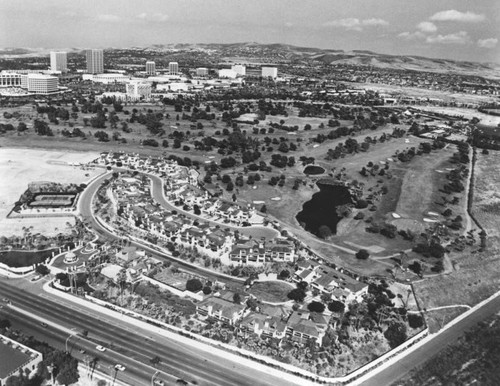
[43, 324]
[159, 382]
[100, 348]
[36, 277]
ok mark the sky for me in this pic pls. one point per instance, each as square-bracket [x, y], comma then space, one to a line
[449, 29]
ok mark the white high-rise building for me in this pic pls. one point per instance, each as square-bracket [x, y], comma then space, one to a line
[173, 68]
[41, 84]
[240, 69]
[150, 68]
[95, 61]
[58, 61]
[270, 72]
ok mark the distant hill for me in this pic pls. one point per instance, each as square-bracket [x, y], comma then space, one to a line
[277, 52]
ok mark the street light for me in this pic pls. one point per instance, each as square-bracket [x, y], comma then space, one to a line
[67, 339]
[153, 377]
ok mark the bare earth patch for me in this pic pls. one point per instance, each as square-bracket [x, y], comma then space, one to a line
[19, 167]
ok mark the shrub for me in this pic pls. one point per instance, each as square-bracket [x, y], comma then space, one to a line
[362, 254]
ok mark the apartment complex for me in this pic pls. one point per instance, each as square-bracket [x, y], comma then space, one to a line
[95, 61]
[58, 61]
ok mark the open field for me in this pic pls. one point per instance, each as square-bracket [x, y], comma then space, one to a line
[476, 274]
[271, 291]
[466, 113]
[19, 167]
[425, 93]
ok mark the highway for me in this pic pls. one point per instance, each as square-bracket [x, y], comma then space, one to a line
[85, 209]
[128, 344]
[425, 352]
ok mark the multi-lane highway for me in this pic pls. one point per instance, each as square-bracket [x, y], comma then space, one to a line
[131, 346]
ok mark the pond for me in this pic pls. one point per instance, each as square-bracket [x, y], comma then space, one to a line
[321, 209]
[313, 170]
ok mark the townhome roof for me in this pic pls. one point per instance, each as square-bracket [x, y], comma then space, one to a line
[227, 309]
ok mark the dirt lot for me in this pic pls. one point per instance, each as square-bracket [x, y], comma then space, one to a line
[19, 167]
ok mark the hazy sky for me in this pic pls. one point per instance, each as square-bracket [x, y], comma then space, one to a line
[456, 29]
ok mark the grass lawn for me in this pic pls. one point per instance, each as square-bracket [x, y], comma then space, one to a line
[24, 258]
[271, 291]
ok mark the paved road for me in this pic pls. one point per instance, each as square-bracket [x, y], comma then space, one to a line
[256, 231]
[133, 346]
[433, 347]
[85, 209]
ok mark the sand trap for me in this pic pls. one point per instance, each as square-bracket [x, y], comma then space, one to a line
[315, 145]
[439, 171]
[276, 198]
[429, 220]
[390, 159]
[258, 202]
[433, 214]
[395, 215]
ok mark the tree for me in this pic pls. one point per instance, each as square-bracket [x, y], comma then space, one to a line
[415, 320]
[324, 231]
[42, 269]
[336, 306]
[207, 290]
[396, 334]
[285, 274]
[237, 298]
[362, 254]
[316, 307]
[297, 294]
[194, 285]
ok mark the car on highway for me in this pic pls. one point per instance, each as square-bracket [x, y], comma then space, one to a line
[119, 367]
[36, 277]
[43, 324]
[82, 351]
[100, 348]
[158, 382]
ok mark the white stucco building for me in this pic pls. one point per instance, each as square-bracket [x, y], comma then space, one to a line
[270, 72]
[226, 73]
[40, 83]
[138, 90]
[240, 69]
